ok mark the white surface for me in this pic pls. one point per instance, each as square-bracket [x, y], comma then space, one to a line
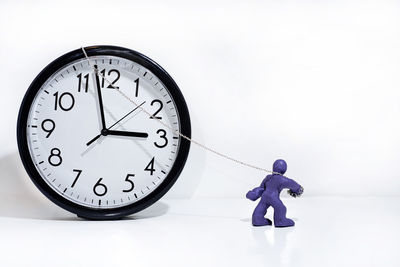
[313, 82]
[329, 231]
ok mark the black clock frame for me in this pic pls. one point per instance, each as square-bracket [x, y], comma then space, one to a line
[111, 213]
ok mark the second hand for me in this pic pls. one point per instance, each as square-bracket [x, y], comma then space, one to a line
[98, 136]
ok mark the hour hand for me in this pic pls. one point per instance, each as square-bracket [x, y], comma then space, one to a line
[123, 133]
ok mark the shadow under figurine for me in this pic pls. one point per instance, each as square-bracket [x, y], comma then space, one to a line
[269, 191]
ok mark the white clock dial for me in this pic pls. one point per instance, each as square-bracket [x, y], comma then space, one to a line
[64, 132]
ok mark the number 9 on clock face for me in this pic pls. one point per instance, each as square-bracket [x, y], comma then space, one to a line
[100, 138]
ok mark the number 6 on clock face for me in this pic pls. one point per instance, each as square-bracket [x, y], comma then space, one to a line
[88, 147]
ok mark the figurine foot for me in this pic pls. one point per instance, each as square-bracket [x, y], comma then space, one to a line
[261, 221]
[284, 223]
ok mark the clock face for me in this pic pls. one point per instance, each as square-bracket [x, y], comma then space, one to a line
[91, 145]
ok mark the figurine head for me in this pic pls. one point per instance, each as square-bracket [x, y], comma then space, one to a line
[280, 166]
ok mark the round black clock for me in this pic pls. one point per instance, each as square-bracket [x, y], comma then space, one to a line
[99, 136]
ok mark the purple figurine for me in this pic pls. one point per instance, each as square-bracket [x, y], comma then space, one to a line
[269, 191]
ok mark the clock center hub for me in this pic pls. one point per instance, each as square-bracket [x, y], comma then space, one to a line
[104, 132]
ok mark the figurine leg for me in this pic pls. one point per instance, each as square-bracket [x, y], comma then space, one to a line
[280, 219]
[259, 213]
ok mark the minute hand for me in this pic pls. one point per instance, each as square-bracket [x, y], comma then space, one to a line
[123, 133]
[103, 121]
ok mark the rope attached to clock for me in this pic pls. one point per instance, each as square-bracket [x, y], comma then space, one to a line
[225, 156]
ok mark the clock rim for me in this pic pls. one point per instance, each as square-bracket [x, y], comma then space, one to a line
[122, 211]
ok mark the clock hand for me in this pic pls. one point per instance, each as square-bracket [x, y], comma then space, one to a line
[94, 139]
[105, 132]
[103, 121]
[126, 115]
[123, 133]
[117, 133]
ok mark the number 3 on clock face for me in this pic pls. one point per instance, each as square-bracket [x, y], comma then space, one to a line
[88, 147]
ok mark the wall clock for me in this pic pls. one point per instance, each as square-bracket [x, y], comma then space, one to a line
[88, 148]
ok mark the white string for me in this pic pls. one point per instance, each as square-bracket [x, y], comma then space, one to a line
[173, 130]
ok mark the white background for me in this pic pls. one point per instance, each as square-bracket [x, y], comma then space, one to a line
[314, 82]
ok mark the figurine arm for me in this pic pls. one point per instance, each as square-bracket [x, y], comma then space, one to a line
[294, 188]
[256, 192]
